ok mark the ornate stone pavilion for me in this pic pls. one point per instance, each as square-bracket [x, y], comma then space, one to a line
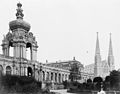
[20, 38]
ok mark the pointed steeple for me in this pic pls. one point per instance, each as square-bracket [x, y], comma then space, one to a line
[97, 69]
[110, 56]
[97, 46]
[110, 53]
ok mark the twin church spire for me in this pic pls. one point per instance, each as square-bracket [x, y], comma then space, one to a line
[110, 52]
[99, 65]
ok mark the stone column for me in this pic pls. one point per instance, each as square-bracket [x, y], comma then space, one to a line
[61, 78]
[57, 77]
[50, 76]
[41, 76]
[24, 52]
[24, 70]
[34, 53]
[38, 75]
[7, 51]
[53, 77]
[14, 52]
[45, 76]
[18, 51]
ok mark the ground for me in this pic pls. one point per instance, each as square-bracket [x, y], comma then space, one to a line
[62, 91]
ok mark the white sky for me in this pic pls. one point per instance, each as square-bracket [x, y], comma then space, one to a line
[67, 28]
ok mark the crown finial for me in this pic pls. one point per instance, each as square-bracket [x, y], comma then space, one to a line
[19, 13]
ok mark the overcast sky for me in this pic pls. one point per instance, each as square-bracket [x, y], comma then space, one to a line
[67, 28]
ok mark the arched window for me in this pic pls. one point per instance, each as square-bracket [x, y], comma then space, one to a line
[66, 77]
[29, 71]
[8, 70]
[47, 76]
[62, 77]
[59, 78]
[51, 76]
[28, 51]
[55, 77]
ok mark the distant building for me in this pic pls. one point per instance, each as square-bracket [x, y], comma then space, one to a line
[101, 68]
[66, 64]
[89, 68]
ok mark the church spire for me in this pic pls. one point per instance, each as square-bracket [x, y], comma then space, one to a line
[97, 46]
[110, 56]
[110, 53]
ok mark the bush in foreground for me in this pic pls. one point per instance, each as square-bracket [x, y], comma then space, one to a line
[20, 84]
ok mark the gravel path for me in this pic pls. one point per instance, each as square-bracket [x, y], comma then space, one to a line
[62, 91]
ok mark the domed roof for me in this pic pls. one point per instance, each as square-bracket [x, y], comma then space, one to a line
[19, 22]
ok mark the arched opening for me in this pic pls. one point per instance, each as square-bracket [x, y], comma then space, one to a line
[51, 76]
[28, 51]
[55, 77]
[38, 75]
[66, 77]
[29, 71]
[8, 70]
[10, 49]
[1, 70]
[43, 75]
[62, 77]
[47, 76]
[59, 78]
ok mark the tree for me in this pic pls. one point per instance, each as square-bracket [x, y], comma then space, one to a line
[97, 79]
[97, 82]
[65, 83]
[89, 81]
[74, 72]
[89, 84]
[107, 82]
[115, 79]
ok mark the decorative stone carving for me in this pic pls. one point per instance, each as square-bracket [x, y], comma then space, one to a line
[30, 34]
[9, 36]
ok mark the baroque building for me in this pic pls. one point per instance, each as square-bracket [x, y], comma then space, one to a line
[20, 38]
[66, 64]
[101, 67]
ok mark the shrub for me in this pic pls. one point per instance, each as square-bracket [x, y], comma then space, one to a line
[12, 83]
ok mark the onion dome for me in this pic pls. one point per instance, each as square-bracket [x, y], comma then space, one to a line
[19, 22]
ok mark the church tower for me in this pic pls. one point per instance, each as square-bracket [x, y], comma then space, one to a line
[97, 71]
[110, 56]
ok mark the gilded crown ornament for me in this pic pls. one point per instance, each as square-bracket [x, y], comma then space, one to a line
[19, 23]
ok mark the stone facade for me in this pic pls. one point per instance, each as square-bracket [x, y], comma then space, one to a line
[20, 38]
[66, 64]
